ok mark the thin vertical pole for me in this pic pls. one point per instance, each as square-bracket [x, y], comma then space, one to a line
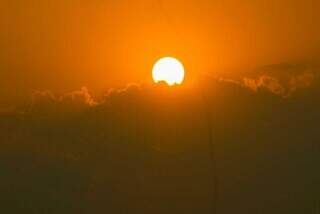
[212, 152]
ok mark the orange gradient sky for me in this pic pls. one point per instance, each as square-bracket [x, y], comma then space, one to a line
[63, 45]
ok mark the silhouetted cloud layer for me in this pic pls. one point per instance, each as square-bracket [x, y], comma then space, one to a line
[147, 148]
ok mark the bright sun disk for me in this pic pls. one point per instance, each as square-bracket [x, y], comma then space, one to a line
[168, 69]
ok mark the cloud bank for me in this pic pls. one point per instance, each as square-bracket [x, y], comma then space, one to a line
[147, 148]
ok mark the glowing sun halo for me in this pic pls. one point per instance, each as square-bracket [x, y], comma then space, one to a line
[168, 69]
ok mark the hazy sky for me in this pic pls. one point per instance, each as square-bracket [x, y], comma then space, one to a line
[68, 144]
[63, 45]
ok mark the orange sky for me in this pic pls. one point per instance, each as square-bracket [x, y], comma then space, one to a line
[63, 45]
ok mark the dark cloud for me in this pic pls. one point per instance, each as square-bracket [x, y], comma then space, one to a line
[80, 96]
[267, 82]
[146, 148]
[283, 79]
[275, 86]
[280, 79]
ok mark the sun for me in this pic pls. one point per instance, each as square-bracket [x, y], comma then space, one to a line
[168, 69]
